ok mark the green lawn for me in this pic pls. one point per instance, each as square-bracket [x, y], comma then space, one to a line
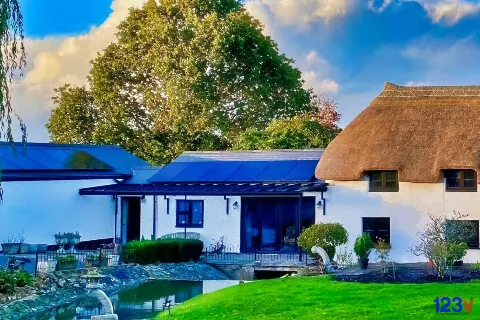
[322, 298]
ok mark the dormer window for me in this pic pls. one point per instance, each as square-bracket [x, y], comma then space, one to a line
[461, 180]
[383, 181]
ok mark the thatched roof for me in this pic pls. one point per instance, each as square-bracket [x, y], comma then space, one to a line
[418, 131]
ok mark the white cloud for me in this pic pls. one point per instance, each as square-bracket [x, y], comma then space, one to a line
[450, 11]
[378, 7]
[327, 86]
[300, 13]
[315, 73]
[53, 62]
[443, 62]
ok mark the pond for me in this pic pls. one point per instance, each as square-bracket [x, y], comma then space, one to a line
[142, 302]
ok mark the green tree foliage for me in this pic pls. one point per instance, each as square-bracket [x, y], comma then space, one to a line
[74, 120]
[328, 236]
[183, 75]
[12, 58]
[298, 132]
[315, 129]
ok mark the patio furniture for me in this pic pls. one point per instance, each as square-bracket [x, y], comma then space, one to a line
[290, 238]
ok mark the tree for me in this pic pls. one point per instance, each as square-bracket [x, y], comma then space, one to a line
[442, 239]
[75, 118]
[12, 58]
[325, 111]
[187, 75]
[299, 132]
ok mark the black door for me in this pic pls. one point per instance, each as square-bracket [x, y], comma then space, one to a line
[131, 218]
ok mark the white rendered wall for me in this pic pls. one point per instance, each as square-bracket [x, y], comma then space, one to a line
[39, 209]
[146, 218]
[216, 222]
[348, 202]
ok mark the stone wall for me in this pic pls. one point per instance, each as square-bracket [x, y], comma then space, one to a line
[66, 287]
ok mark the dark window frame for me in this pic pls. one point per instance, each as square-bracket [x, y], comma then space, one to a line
[189, 224]
[384, 188]
[376, 231]
[476, 243]
[448, 174]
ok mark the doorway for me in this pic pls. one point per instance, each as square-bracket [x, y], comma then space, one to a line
[131, 208]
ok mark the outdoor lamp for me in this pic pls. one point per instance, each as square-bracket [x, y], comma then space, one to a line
[319, 204]
[235, 205]
[167, 305]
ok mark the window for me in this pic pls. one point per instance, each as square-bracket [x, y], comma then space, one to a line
[377, 228]
[461, 180]
[383, 181]
[190, 213]
[464, 231]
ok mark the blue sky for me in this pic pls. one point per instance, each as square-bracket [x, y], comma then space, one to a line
[346, 49]
[67, 17]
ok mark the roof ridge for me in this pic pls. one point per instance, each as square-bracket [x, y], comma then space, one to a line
[391, 90]
[48, 144]
[255, 151]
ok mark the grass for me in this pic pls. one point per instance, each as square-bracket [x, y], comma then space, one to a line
[322, 298]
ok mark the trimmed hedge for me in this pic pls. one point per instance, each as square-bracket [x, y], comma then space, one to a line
[162, 250]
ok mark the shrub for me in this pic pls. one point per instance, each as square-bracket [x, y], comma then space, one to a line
[325, 235]
[344, 258]
[23, 278]
[382, 248]
[363, 246]
[475, 267]
[456, 252]
[67, 259]
[162, 250]
[7, 282]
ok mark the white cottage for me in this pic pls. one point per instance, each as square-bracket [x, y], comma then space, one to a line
[413, 151]
[40, 184]
[256, 200]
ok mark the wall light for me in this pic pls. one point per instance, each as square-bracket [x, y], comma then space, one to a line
[319, 204]
[235, 205]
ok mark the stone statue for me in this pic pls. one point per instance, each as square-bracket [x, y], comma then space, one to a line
[325, 258]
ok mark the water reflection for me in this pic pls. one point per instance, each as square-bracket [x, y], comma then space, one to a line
[143, 302]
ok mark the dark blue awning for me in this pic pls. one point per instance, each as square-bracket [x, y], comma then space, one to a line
[207, 189]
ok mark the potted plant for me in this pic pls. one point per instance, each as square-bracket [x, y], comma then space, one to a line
[11, 245]
[23, 246]
[74, 238]
[60, 239]
[68, 262]
[363, 247]
[382, 249]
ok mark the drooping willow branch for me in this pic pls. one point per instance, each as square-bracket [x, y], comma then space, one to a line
[13, 58]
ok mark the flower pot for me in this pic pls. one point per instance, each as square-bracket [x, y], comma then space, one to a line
[23, 248]
[10, 248]
[73, 241]
[363, 263]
